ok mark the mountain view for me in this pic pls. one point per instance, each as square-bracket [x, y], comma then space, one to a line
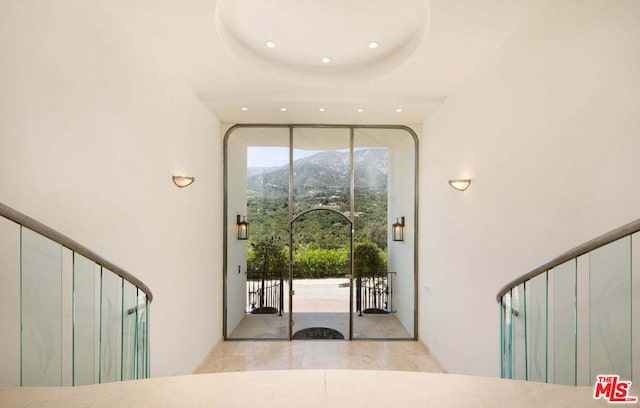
[320, 238]
[321, 180]
[322, 171]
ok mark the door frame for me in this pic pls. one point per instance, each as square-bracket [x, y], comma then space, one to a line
[291, 127]
[351, 263]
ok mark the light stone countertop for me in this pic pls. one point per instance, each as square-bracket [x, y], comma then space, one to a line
[307, 389]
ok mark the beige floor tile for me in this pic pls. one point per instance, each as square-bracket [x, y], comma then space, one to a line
[269, 362]
[359, 363]
[245, 348]
[402, 348]
[226, 364]
[286, 348]
[321, 363]
[396, 362]
[225, 349]
[350, 349]
[320, 348]
[428, 364]
[319, 354]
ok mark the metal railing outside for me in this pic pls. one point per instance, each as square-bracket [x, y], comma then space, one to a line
[375, 293]
[265, 296]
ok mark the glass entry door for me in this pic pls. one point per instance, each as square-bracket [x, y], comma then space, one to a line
[321, 233]
[319, 203]
[321, 271]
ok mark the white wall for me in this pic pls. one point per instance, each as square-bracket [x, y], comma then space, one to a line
[401, 190]
[92, 125]
[236, 250]
[549, 131]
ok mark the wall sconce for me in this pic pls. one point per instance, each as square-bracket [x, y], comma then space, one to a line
[398, 229]
[242, 227]
[461, 184]
[182, 181]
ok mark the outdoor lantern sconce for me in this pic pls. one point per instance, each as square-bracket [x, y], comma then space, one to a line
[398, 229]
[182, 181]
[461, 184]
[242, 227]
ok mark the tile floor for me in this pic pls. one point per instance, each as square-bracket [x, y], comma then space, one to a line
[373, 326]
[319, 354]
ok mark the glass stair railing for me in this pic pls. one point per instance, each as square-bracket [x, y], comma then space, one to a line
[67, 316]
[577, 316]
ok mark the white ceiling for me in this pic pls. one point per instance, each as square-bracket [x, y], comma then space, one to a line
[426, 48]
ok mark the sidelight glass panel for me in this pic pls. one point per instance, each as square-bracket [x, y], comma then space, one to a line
[129, 330]
[41, 305]
[565, 323]
[110, 326]
[536, 323]
[85, 307]
[610, 309]
[384, 190]
[257, 270]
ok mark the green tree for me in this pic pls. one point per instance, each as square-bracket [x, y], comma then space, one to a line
[377, 233]
[368, 259]
[267, 260]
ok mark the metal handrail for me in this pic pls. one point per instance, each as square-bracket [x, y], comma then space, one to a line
[580, 250]
[36, 226]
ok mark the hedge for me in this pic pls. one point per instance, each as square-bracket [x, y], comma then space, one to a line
[315, 263]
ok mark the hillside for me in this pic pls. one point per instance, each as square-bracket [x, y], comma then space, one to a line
[320, 180]
[322, 171]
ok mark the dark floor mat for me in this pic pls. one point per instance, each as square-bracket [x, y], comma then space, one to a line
[318, 333]
[374, 311]
[265, 310]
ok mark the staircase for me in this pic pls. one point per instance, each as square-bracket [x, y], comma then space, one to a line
[68, 316]
[577, 316]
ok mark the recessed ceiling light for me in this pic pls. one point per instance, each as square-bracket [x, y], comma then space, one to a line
[399, 110]
[283, 109]
[373, 44]
[244, 108]
[360, 110]
[321, 109]
[326, 60]
[270, 44]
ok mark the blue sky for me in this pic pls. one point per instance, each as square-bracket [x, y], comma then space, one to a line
[258, 156]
